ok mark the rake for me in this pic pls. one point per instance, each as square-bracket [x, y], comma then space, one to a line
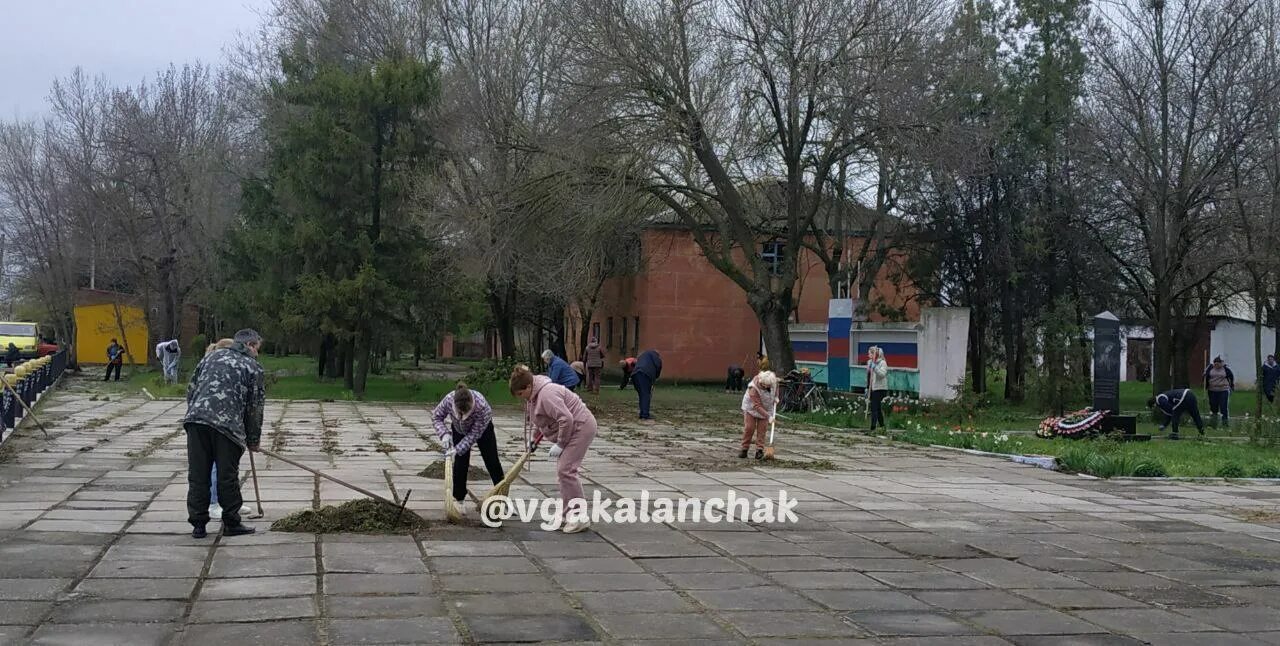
[257, 493]
[361, 490]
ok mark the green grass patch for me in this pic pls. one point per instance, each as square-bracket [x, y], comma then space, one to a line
[1107, 458]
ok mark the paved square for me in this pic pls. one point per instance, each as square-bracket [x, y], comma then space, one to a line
[898, 545]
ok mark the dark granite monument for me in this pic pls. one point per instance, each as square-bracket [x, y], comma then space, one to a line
[1106, 374]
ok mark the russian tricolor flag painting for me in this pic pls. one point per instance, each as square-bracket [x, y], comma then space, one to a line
[813, 351]
[839, 322]
[897, 355]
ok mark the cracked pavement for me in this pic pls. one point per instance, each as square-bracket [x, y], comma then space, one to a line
[897, 545]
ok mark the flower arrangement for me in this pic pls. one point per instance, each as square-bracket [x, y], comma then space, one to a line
[1081, 423]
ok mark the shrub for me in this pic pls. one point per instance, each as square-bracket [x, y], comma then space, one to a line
[1266, 471]
[1076, 459]
[1231, 470]
[1263, 431]
[1150, 469]
[492, 370]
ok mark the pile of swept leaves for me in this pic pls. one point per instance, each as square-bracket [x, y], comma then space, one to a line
[435, 471]
[352, 517]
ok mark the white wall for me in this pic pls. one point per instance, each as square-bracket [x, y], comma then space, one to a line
[1233, 341]
[943, 349]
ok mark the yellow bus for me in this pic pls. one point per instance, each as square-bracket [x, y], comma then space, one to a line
[22, 334]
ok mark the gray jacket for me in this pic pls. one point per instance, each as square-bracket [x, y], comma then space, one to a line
[227, 393]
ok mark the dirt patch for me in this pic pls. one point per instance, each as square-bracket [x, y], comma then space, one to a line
[811, 465]
[1258, 515]
[352, 517]
[435, 471]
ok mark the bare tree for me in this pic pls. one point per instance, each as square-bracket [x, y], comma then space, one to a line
[721, 101]
[1173, 103]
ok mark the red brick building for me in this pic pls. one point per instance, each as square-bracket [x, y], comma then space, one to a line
[697, 318]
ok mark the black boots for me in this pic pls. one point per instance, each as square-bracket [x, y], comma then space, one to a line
[199, 532]
[237, 530]
[759, 454]
[742, 453]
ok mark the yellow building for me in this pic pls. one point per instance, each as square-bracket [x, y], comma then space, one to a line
[96, 325]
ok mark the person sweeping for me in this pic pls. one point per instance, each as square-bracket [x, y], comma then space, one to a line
[562, 418]
[1173, 405]
[759, 404]
[463, 419]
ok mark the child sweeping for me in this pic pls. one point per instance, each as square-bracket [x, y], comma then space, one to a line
[758, 406]
[562, 418]
[464, 419]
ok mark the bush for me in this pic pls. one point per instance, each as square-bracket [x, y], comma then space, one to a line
[198, 344]
[493, 370]
[1263, 431]
[1231, 470]
[1076, 459]
[1266, 471]
[1150, 469]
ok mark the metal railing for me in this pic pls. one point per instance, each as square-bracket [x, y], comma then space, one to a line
[28, 382]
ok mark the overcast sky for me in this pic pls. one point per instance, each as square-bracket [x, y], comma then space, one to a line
[125, 40]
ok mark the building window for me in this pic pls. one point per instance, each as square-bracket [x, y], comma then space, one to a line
[636, 346]
[622, 342]
[772, 255]
[608, 343]
[595, 330]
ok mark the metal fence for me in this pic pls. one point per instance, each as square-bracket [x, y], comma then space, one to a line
[29, 381]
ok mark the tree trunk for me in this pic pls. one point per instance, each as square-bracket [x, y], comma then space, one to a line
[1259, 294]
[559, 334]
[364, 358]
[348, 361]
[978, 352]
[1162, 369]
[775, 318]
[324, 358]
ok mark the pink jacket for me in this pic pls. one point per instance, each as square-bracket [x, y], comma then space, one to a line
[556, 411]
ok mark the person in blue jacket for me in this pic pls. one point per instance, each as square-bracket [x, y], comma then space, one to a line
[643, 371]
[559, 370]
[1270, 377]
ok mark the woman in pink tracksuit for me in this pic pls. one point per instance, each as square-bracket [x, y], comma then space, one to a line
[563, 419]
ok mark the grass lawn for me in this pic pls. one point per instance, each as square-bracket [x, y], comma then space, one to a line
[1189, 457]
[998, 427]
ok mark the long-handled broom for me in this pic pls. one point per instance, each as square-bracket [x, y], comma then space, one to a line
[768, 450]
[451, 511]
[503, 487]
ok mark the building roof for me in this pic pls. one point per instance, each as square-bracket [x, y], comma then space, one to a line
[767, 198]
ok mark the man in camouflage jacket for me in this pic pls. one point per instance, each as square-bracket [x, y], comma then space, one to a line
[224, 417]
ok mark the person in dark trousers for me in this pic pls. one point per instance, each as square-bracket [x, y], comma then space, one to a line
[644, 371]
[877, 385]
[12, 355]
[1173, 405]
[734, 379]
[115, 360]
[1270, 377]
[464, 419]
[224, 418]
[595, 365]
[1219, 382]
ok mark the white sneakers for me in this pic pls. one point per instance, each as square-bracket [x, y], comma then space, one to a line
[575, 526]
[215, 511]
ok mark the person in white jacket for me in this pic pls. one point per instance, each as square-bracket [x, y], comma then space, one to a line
[169, 353]
[877, 384]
